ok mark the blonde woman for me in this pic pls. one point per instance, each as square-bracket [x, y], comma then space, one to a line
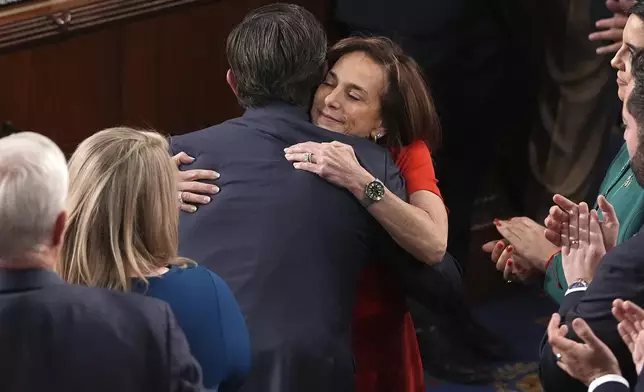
[123, 235]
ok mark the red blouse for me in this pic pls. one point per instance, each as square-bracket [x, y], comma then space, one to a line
[384, 336]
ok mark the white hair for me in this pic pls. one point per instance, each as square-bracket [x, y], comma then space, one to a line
[33, 191]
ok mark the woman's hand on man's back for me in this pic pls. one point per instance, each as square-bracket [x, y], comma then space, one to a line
[191, 188]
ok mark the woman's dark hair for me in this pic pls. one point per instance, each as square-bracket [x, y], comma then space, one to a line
[635, 101]
[407, 108]
[638, 9]
[635, 106]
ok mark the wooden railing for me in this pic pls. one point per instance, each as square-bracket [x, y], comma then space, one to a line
[165, 69]
[23, 23]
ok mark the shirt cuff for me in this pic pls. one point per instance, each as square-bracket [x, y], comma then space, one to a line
[574, 290]
[607, 378]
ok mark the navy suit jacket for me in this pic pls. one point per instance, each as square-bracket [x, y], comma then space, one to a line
[619, 275]
[61, 338]
[291, 245]
[617, 387]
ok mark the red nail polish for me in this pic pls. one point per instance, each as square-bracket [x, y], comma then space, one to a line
[510, 248]
[497, 222]
[500, 245]
[510, 263]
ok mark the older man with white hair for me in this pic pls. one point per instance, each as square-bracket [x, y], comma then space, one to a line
[60, 337]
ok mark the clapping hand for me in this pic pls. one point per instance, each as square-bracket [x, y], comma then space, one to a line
[631, 329]
[584, 361]
[523, 251]
[582, 244]
[508, 261]
[559, 215]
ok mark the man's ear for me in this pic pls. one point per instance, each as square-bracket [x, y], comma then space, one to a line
[59, 229]
[232, 81]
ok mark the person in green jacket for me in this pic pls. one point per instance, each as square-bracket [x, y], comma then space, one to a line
[526, 249]
[525, 252]
[627, 198]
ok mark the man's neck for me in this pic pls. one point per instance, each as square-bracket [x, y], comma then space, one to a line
[34, 260]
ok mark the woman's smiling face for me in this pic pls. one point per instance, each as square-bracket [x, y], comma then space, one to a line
[348, 101]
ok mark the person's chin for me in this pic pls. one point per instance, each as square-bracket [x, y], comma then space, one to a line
[326, 124]
[621, 92]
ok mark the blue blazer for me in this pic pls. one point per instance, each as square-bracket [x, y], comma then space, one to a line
[291, 245]
[211, 320]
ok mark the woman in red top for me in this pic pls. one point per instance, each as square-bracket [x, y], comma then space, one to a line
[374, 90]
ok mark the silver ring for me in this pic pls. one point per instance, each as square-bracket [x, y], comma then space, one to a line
[180, 197]
[574, 242]
[558, 356]
[308, 157]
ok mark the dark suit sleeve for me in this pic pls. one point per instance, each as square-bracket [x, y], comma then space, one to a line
[435, 287]
[619, 276]
[185, 373]
[235, 339]
[611, 383]
[171, 147]
[616, 387]
[394, 181]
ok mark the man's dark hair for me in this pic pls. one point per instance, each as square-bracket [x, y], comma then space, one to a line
[277, 53]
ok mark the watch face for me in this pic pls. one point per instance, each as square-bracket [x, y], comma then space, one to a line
[375, 190]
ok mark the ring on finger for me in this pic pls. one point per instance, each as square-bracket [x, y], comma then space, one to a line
[574, 242]
[558, 356]
[308, 157]
[180, 197]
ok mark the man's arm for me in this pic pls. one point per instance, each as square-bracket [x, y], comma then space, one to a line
[619, 276]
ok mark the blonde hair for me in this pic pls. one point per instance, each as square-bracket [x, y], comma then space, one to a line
[124, 217]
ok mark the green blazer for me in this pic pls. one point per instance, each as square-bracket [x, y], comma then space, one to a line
[622, 190]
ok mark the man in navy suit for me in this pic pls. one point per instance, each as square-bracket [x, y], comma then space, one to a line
[289, 244]
[61, 337]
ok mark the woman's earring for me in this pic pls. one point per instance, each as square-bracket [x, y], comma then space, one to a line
[376, 137]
